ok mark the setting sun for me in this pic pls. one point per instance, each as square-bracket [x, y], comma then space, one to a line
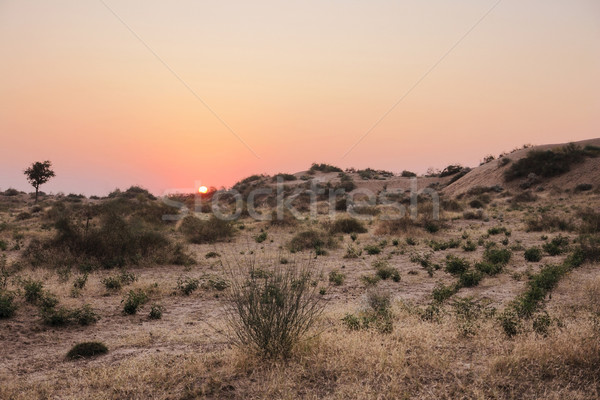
[202, 189]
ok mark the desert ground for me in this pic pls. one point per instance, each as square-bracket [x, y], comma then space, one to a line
[497, 298]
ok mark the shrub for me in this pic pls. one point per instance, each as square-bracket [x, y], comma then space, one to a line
[372, 249]
[133, 301]
[385, 271]
[116, 282]
[497, 256]
[470, 278]
[510, 322]
[347, 225]
[218, 283]
[378, 313]
[442, 292]
[310, 239]
[80, 281]
[470, 246]
[582, 187]
[206, 231]
[488, 268]
[33, 290]
[324, 168]
[187, 285]
[456, 265]
[272, 312]
[411, 241]
[352, 252]
[60, 316]
[538, 286]
[590, 221]
[212, 254]
[476, 203]
[156, 311]
[284, 177]
[473, 214]
[541, 223]
[407, 174]
[87, 350]
[7, 307]
[261, 237]
[467, 311]
[497, 230]
[85, 315]
[533, 254]
[557, 245]
[370, 280]
[336, 277]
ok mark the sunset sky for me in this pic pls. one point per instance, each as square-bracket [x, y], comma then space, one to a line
[298, 82]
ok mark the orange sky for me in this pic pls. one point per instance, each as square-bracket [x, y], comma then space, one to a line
[300, 83]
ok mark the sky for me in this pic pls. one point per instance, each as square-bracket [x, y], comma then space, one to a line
[171, 95]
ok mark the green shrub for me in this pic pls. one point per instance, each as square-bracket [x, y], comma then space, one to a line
[156, 311]
[7, 307]
[85, 315]
[456, 265]
[385, 271]
[80, 281]
[116, 282]
[272, 313]
[510, 322]
[488, 268]
[497, 230]
[87, 350]
[336, 277]
[497, 256]
[133, 301]
[323, 168]
[61, 316]
[218, 283]
[33, 290]
[408, 174]
[533, 254]
[187, 285]
[347, 225]
[557, 245]
[411, 241]
[261, 237]
[470, 278]
[470, 246]
[372, 249]
[442, 292]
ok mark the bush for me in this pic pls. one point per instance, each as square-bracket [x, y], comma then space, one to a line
[206, 231]
[476, 203]
[541, 223]
[582, 187]
[323, 168]
[442, 292]
[133, 301]
[408, 174]
[187, 285]
[34, 291]
[87, 350]
[261, 237]
[473, 214]
[116, 282]
[510, 322]
[272, 312]
[336, 277]
[372, 249]
[347, 225]
[533, 254]
[590, 221]
[156, 311]
[470, 278]
[497, 256]
[557, 245]
[53, 315]
[470, 246]
[7, 307]
[488, 268]
[385, 271]
[311, 239]
[456, 265]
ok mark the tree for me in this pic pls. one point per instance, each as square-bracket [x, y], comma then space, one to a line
[38, 174]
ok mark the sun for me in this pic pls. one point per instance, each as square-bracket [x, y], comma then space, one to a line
[202, 189]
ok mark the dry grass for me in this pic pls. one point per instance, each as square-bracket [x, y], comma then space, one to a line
[184, 355]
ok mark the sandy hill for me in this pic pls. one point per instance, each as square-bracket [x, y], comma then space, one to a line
[492, 173]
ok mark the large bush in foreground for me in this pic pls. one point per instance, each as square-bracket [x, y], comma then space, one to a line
[271, 307]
